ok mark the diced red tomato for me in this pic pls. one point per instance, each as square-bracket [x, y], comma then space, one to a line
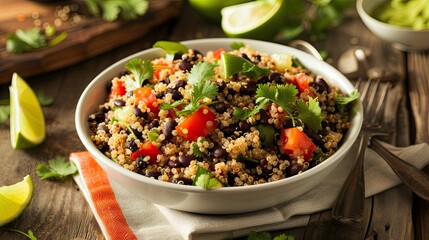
[118, 88]
[198, 124]
[146, 95]
[301, 82]
[157, 69]
[217, 53]
[148, 149]
[296, 143]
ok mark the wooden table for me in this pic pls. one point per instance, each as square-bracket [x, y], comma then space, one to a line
[58, 210]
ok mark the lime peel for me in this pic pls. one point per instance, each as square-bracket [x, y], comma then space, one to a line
[27, 122]
[14, 199]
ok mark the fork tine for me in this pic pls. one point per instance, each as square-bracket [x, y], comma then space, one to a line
[378, 109]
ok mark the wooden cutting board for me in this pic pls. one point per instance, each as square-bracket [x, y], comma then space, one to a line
[88, 35]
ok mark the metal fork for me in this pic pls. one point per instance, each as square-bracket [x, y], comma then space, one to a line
[349, 206]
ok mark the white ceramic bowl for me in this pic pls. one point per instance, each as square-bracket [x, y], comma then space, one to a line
[223, 200]
[404, 38]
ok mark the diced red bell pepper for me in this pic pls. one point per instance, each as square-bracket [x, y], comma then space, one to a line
[118, 87]
[218, 53]
[198, 124]
[296, 143]
[146, 95]
[301, 82]
[148, 149]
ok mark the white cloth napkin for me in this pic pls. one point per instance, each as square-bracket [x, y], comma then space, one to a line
[149, 221]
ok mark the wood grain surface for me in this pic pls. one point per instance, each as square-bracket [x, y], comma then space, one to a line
[87, 38]
[59, 210]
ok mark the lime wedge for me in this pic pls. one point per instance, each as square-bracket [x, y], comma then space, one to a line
[257, 19]
[14, 199]
[27, 123]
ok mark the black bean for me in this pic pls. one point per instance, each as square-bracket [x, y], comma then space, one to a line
[154, 174]
[263, 79]
[276, 77]
[185, 160]
[249, 88]
[177, 56]
[130, 94]
[168, 128]
[264, 117]
[244, 126]
[97, 117]
[221, 86]
[160, 95]
[243, 55]
[104, 147]
[175, 94]
[317, 139]
[179, 83]
[231, 92]
[182, 180]
[228, 131]
[257, 59]
[231, 178]
[288, 123]
[153, 124]
[219, 152]
[166, 80]
[132, 145]
[103, 127]
[119, 102]
[311, 164]
[141, 163]
[220, 107]
[139, 113]
[185, 66]
[173, 164]
[294, 169]
[109, 86]
[323, 83]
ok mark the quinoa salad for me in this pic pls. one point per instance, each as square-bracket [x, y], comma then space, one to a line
[220, 118]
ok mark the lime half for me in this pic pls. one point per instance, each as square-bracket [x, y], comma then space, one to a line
[14, 199]
[27, 123]
[258, 19]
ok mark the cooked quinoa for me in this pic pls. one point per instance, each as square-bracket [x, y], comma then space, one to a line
[150, 135]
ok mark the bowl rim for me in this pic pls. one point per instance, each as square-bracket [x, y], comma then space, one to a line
[362, 12]
[104, 161]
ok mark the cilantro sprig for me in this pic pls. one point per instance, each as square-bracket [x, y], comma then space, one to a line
[31, 39]
[112, 10]
[200, 76]
[57, 168]
[171, 48]
[285, 97]
[203, 178]
[29, 234]
[141, 69]
[344, 100]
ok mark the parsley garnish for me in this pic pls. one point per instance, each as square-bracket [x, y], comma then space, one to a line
[141, 69]
[31, 39]
[237, 45]
[203, 178]
[57, 168]
[285, 97]
[344, 100]
[112, 10]
[171, 48]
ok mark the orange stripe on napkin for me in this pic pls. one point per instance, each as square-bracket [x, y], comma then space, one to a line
[103, 197]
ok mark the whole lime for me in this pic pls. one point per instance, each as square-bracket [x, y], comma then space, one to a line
[210, 9]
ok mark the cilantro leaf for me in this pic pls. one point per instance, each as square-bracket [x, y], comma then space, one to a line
[30, 234]
[310, 114]
[196, 150]
[167, 106]
[57, 168]
[202, 71]
[237, 45]
[252, 70]
[267, 134]
[282, 95]
[44, 100]
[4, 113]
[113, 9]
[171, 48]
[344, 100]
[204, 179]
[153, 135]
[253, 235]
[199, 91]
[141, 69]
[31, 39]
[243, 114]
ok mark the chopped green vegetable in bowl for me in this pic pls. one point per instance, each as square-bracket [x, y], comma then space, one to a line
[239, 123]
